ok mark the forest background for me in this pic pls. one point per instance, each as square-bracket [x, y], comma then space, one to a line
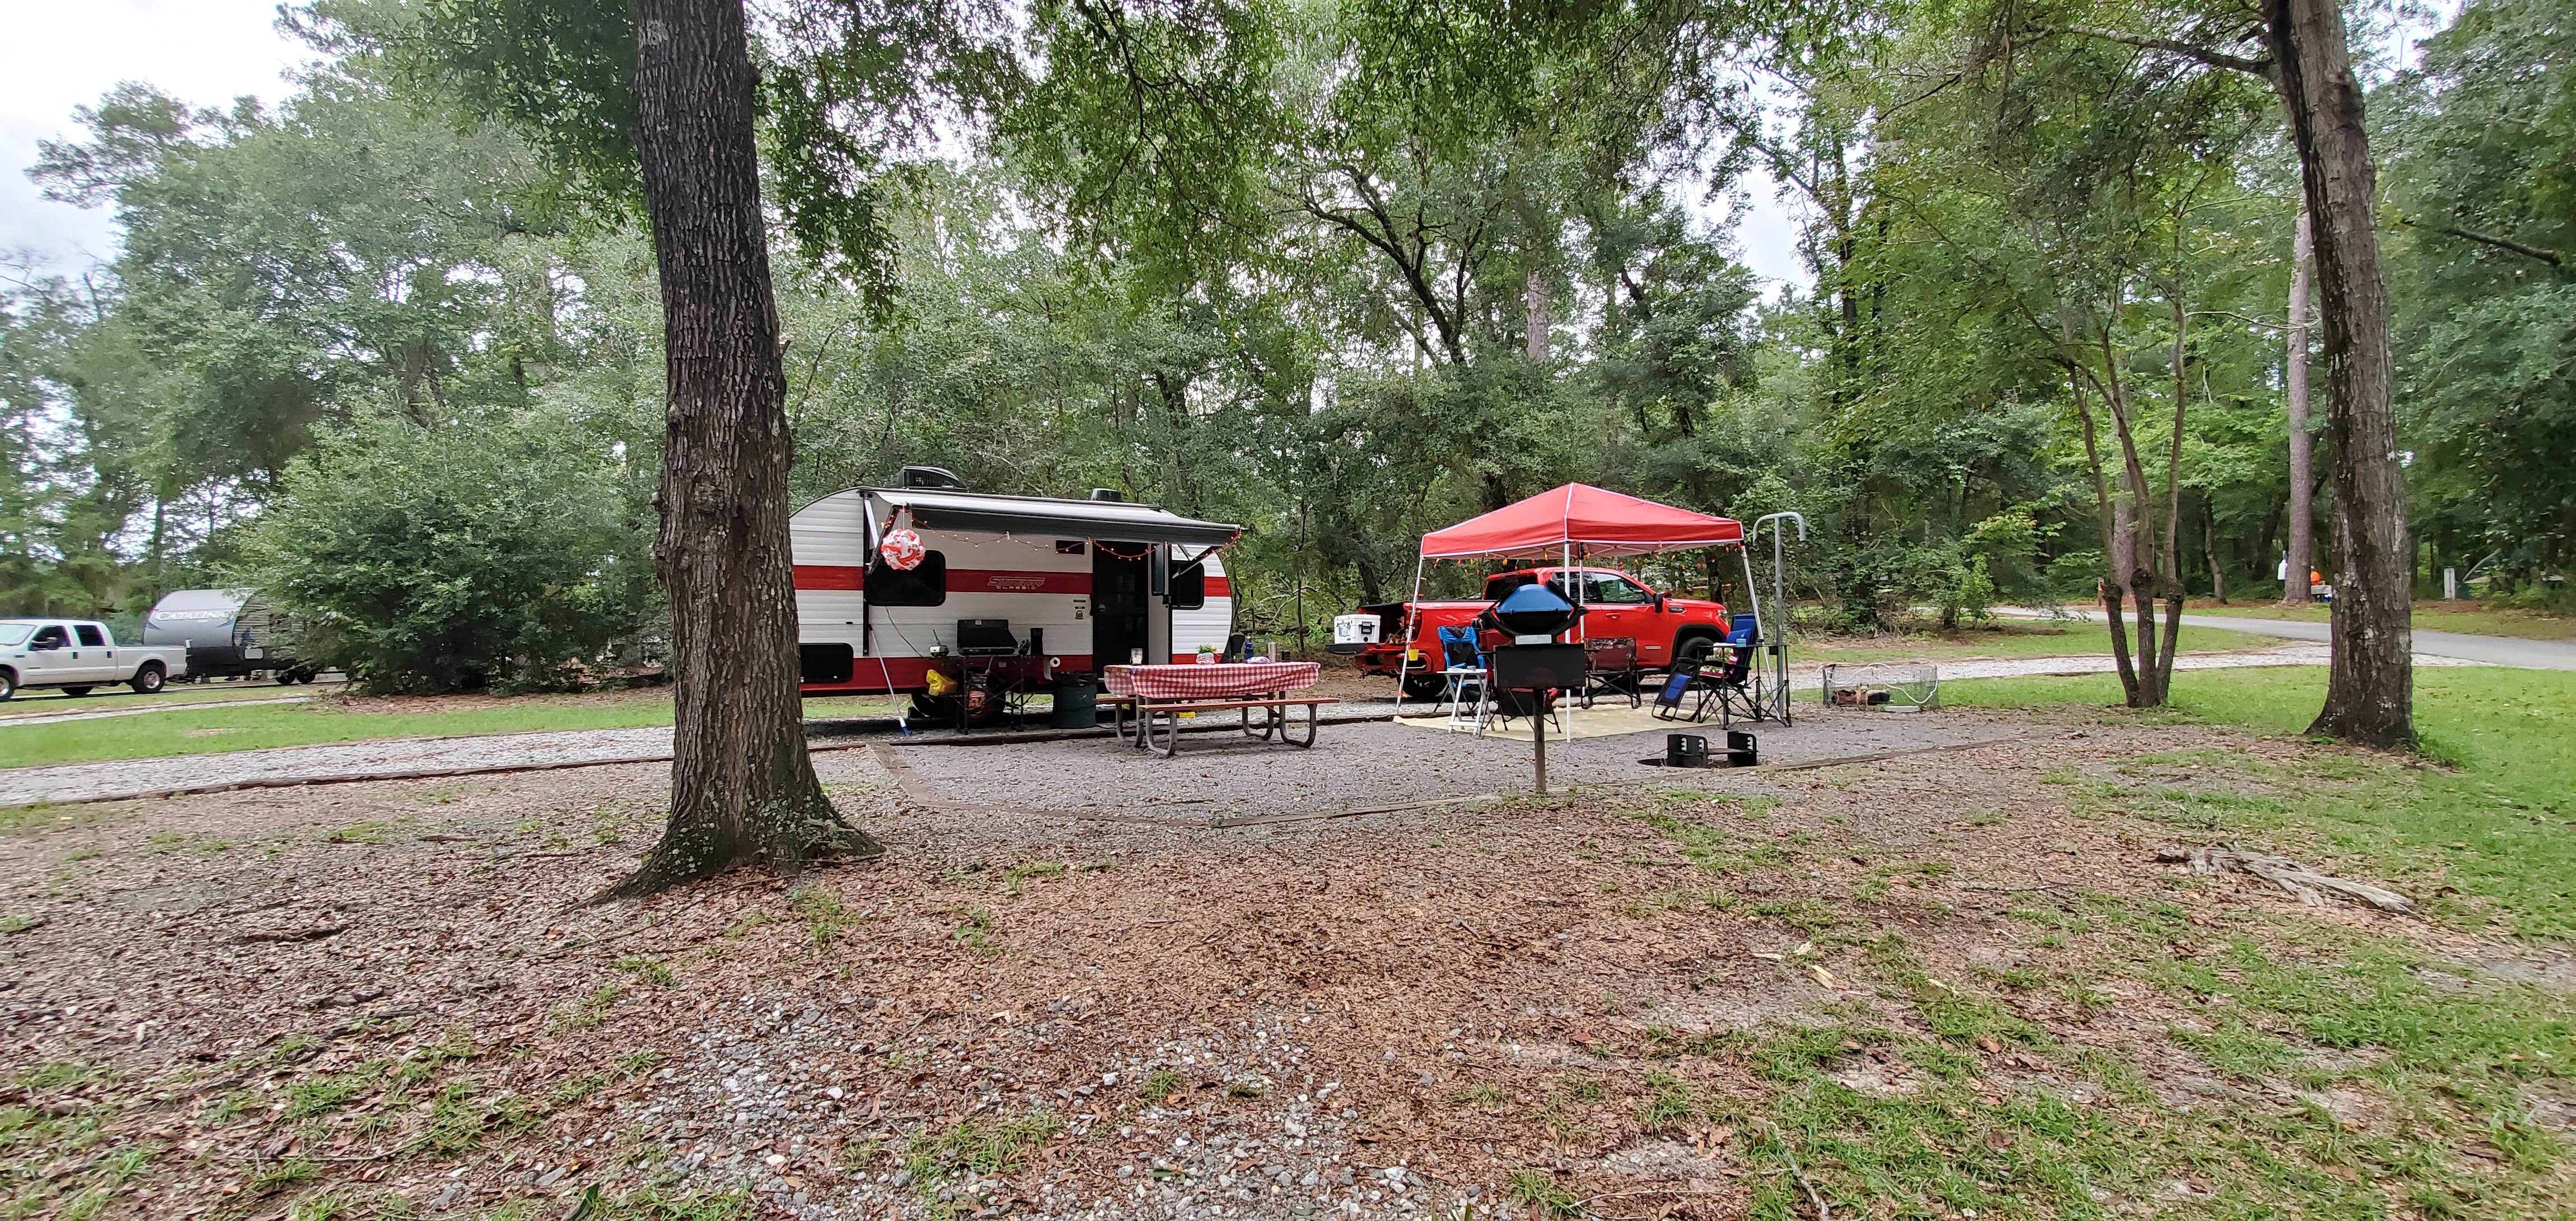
[369, 351]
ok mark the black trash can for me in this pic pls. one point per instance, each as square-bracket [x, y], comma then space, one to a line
[1077, 701]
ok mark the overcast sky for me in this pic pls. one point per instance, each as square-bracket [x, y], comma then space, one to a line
[58, 54]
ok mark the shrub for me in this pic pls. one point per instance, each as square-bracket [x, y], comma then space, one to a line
[505, 550]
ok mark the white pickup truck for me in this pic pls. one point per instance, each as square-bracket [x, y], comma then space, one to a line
[78, 655]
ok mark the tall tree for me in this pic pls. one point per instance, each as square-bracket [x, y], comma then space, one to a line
[663, 102]
[2298, 558]
[2370, 682]
[742, 786]
[2302, 48]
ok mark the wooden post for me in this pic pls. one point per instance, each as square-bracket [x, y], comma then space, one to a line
[1538, 739]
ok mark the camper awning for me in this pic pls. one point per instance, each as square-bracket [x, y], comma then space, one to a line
[1588, 520]
[1038, 516]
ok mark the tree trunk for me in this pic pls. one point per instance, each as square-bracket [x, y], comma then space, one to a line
[2370, 695]
[2209, 552]
[1537, 299]
[2114, 530]
[2301, 557]
[2141, 576]
[742, 789]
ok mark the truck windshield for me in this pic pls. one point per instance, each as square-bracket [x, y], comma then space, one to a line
[14, 634]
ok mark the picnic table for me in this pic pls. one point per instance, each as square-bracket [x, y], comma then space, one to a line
[1144, 698]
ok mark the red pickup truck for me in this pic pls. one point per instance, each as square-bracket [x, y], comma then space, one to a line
[1665, 628]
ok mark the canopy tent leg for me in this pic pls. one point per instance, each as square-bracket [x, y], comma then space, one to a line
[1412, 626]
[1574, 585]
[1752, 592]
[1779, 598]
[1774, 699]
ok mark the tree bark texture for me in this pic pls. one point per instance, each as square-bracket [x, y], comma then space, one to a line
[2301, 556]
[2115, 537]
[1536, 302]
[2370, 680]
[742, 788]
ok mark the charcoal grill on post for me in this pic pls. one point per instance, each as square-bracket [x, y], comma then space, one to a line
[1534, 664]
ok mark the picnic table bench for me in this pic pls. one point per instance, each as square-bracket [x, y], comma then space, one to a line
[1145, 699]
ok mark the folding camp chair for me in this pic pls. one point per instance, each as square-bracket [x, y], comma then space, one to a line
[1506, 705]
[1733, 684]
[1684, 686]
[1610, 668]
[1462, 668]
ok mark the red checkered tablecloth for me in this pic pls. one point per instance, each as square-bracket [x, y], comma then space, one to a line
[1196, 682]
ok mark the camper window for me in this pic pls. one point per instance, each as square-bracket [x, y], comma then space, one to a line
[1189, 587]
[925, 585]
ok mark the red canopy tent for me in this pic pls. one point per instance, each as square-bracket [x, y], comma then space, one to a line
[1578, 522]
[1581, 520]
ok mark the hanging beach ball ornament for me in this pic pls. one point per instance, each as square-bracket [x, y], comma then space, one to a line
[902, 550]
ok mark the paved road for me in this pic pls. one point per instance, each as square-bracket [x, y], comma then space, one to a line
[2490, 650]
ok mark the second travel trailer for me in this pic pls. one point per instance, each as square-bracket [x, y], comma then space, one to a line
[228, 633]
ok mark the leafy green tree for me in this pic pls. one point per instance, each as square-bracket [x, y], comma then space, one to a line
[504, 550]
[2482, 139]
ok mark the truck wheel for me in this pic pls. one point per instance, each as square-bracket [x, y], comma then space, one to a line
[1424, 688]
[8, 684]
[75, 690]
[1694, 648]
[148, 680]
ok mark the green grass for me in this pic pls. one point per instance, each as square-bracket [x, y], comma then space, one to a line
[973, 1146]
[217, 730]
[215, 727]
[2466, 617]
[2313, 1006]
[2495, 817]
[47, 701]
[2008, 639]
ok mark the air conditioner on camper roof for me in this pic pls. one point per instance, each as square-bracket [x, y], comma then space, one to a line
[929, 477]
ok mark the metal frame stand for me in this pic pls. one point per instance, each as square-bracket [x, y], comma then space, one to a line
[1773, 694]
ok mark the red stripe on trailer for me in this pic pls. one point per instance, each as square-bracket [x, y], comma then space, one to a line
[875, 674]
[829, 576]
[1220, 587]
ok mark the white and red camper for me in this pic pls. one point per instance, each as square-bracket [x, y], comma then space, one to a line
[1025, 587]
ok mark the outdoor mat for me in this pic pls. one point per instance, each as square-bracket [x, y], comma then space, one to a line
[1598, 721]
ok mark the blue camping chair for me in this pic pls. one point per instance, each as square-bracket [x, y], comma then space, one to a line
[1462, 668]
[1731, 681]
[1678, 689]
[1724, 680]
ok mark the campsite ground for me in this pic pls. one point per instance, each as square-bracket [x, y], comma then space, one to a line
[1907, 988]
[201, 722]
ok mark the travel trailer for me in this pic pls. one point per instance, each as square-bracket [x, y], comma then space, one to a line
[1010, 591]
[228, 633]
